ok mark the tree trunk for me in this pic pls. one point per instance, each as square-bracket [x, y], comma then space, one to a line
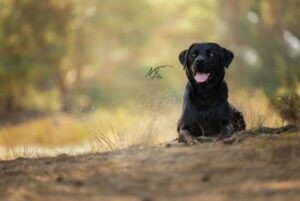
[62, 87]
[230, 13]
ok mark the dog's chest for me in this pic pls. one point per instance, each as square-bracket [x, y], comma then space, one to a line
[207, 120]
[206, 116]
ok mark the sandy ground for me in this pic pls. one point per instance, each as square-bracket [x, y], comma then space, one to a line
[261, 167]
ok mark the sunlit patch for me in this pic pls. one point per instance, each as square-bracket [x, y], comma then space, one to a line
[151, 122]
[252, 17]
[270, 185]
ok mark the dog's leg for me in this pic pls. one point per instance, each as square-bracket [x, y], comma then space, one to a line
[186, 137]
[239, 123]
[227, 128]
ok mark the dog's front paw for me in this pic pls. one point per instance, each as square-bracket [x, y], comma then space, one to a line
[188, 139]
[191, 140]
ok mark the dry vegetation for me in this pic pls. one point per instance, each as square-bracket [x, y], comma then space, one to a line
[150, 123]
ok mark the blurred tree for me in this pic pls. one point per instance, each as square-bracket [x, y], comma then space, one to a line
[47, 44]
[265, 37]
[58, 50]
[40, 46]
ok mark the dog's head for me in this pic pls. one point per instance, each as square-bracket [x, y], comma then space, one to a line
[205, 63]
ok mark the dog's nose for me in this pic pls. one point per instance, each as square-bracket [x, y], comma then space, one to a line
[199, 61]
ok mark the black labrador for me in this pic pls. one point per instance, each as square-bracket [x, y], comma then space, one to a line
[206, 111]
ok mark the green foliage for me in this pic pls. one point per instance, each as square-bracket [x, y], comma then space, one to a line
[287, 104]
[30, 46]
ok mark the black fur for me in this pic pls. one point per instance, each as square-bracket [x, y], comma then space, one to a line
[206, 111]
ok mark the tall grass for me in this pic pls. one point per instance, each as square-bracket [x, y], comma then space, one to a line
[152, 122]
[149, 122]
[256, 108]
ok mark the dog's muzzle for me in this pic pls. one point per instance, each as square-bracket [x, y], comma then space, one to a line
[199, 73]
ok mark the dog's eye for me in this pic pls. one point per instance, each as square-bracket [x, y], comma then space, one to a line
[211, 54]
[193, 55]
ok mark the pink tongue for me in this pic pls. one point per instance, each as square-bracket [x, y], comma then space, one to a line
[201, 77]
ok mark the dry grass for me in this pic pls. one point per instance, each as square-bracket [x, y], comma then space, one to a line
[152, 122]
[56, 130]
[256, 109]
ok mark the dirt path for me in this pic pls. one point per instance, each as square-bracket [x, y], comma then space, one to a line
[265, 167]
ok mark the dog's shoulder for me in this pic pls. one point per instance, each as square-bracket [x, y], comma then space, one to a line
[222, 91]
[188, 87]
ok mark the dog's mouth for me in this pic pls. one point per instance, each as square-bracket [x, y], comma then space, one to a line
[202, 77]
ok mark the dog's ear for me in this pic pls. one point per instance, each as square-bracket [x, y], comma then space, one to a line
[183, 58]
[227, 57]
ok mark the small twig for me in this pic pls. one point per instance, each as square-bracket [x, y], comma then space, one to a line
[240, 136]
[266, 130]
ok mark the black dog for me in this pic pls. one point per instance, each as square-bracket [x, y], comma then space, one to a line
[206, 111]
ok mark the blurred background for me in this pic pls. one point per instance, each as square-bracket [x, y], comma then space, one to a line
[72, 73]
